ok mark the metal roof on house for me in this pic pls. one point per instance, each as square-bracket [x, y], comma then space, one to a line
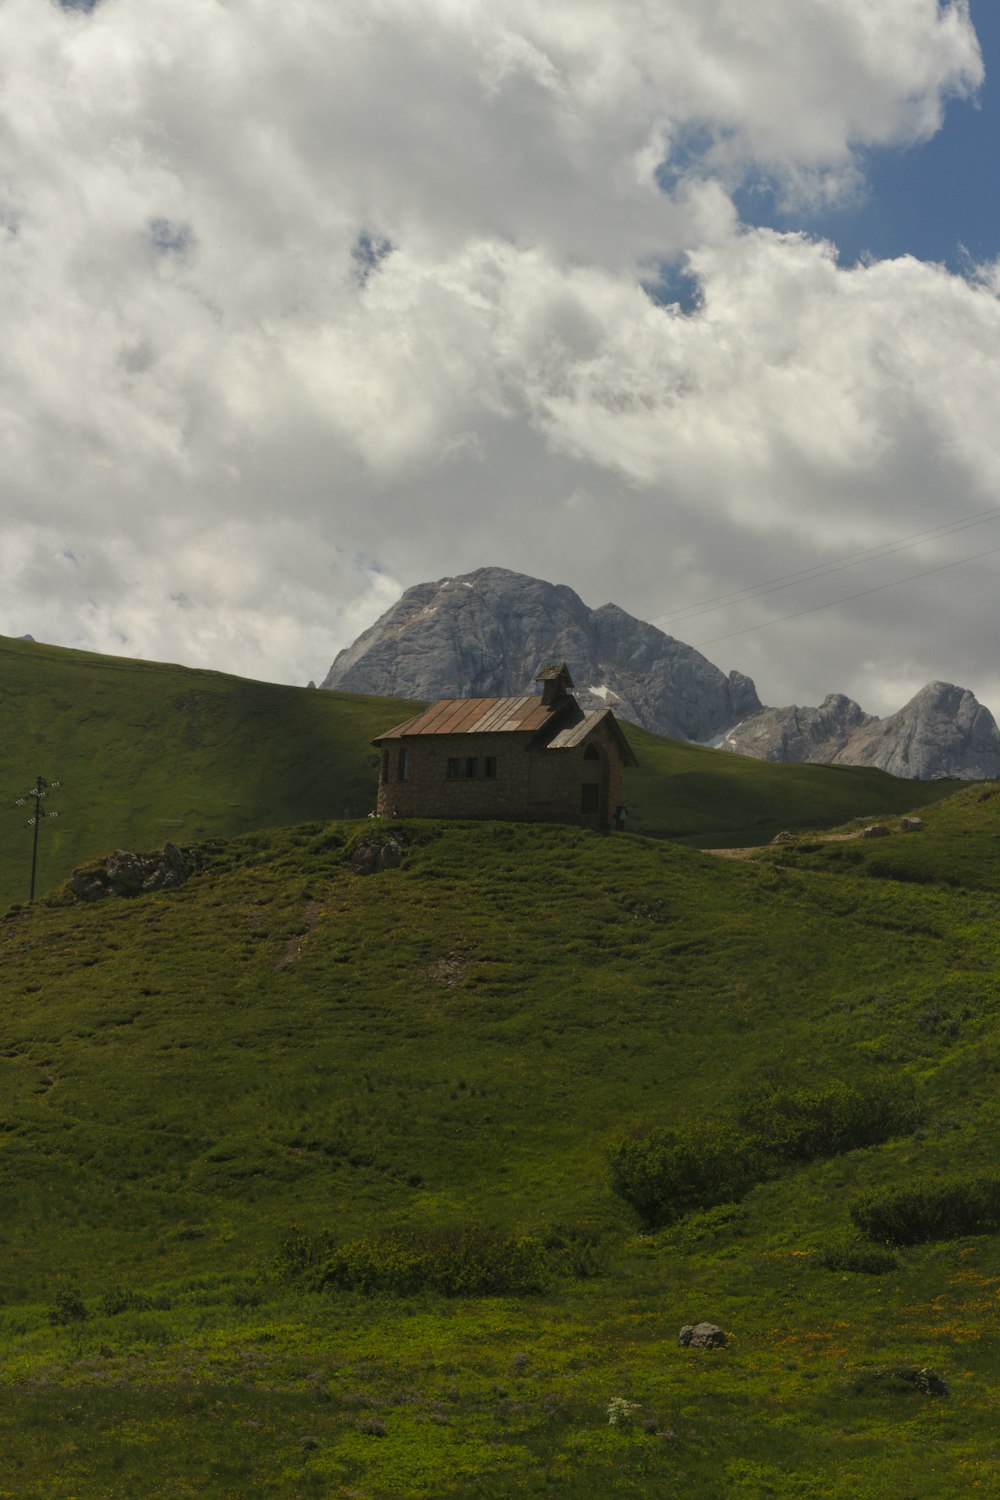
[582, 725]
[558, 726]
[577, 730]
[527, 713]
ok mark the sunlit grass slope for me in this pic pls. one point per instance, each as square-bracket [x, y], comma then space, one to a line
[147, 752]
[959, 846]
[460, 1041]
[710, 796]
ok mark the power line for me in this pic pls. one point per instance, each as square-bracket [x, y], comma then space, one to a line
[820, 570]
[941, 567]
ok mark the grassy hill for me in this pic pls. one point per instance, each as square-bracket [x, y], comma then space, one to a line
[713, 799]
[231, 1111]
[146, 752]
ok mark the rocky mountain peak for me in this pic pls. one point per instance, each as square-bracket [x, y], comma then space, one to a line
[943, 731]
[484, 634]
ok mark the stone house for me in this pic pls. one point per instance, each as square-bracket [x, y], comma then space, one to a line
[537, 757]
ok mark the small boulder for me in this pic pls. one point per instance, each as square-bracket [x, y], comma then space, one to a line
[375, 854]
[876, 831]
[911, 825]
[702, 1336]
[783, 838]
[920, 1378]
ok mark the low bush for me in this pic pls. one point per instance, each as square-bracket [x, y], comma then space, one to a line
[67, 1307]
[858, 1256]
[576, 1250]
[668, 1173]
[828, 1118]
[461, 1262]
[938, 1210]
[712, 1226]
[302, 1254]
[664, 1174]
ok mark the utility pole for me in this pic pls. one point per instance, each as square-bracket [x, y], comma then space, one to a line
[38, 792]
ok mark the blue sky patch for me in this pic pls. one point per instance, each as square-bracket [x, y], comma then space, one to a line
[939, 201]
[369, 251]
[170, 238]
[672, 286]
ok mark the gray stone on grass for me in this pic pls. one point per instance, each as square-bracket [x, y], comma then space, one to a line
[127, 874]
[375, 854]
[702, 1336]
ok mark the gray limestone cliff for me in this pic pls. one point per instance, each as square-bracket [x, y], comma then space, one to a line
[485, 634]
[943, 731]
[801, 734]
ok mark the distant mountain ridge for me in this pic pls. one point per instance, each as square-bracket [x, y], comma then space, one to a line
[485, 633]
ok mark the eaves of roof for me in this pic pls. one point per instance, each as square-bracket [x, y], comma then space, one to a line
[568, 736]
[525, 714]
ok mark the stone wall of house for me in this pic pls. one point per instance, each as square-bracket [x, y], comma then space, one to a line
[427, 791]
[557, 778]
[540, 785]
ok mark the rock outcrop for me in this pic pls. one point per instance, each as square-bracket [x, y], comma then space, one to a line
[369, 856]
[126, 874]
[484, 635]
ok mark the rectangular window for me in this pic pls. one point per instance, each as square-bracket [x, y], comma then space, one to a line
[590, 794]
[490, 767]
[454, 769]
[472, 766]
[403, 766]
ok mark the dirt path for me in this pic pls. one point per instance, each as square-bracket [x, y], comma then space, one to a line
[814, 838]
[310, 916]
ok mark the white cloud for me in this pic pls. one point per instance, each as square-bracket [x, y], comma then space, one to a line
[249, 439]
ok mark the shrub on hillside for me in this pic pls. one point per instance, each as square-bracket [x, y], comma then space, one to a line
[666, 1174]
[938, 1210]
[858, 1256]
[663, 1174]
[463, 1262]
[828, 1118]
[67, 1307]
[301, 1255]
[576, 1250]
[124, 1299]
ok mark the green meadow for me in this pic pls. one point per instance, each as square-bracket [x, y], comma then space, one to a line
[146, 752]
[403, 1185]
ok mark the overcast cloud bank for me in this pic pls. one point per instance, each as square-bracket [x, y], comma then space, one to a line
[306, 303]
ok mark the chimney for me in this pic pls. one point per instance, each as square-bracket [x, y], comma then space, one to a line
[556, 682]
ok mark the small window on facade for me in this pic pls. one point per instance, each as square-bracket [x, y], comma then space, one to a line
[403, 766]
[490, 766]
[472, 766]
[592, 753]
[385, 765]
[454, 768]
[590, 797]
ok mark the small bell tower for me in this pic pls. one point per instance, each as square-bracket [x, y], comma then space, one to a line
[556, 682]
